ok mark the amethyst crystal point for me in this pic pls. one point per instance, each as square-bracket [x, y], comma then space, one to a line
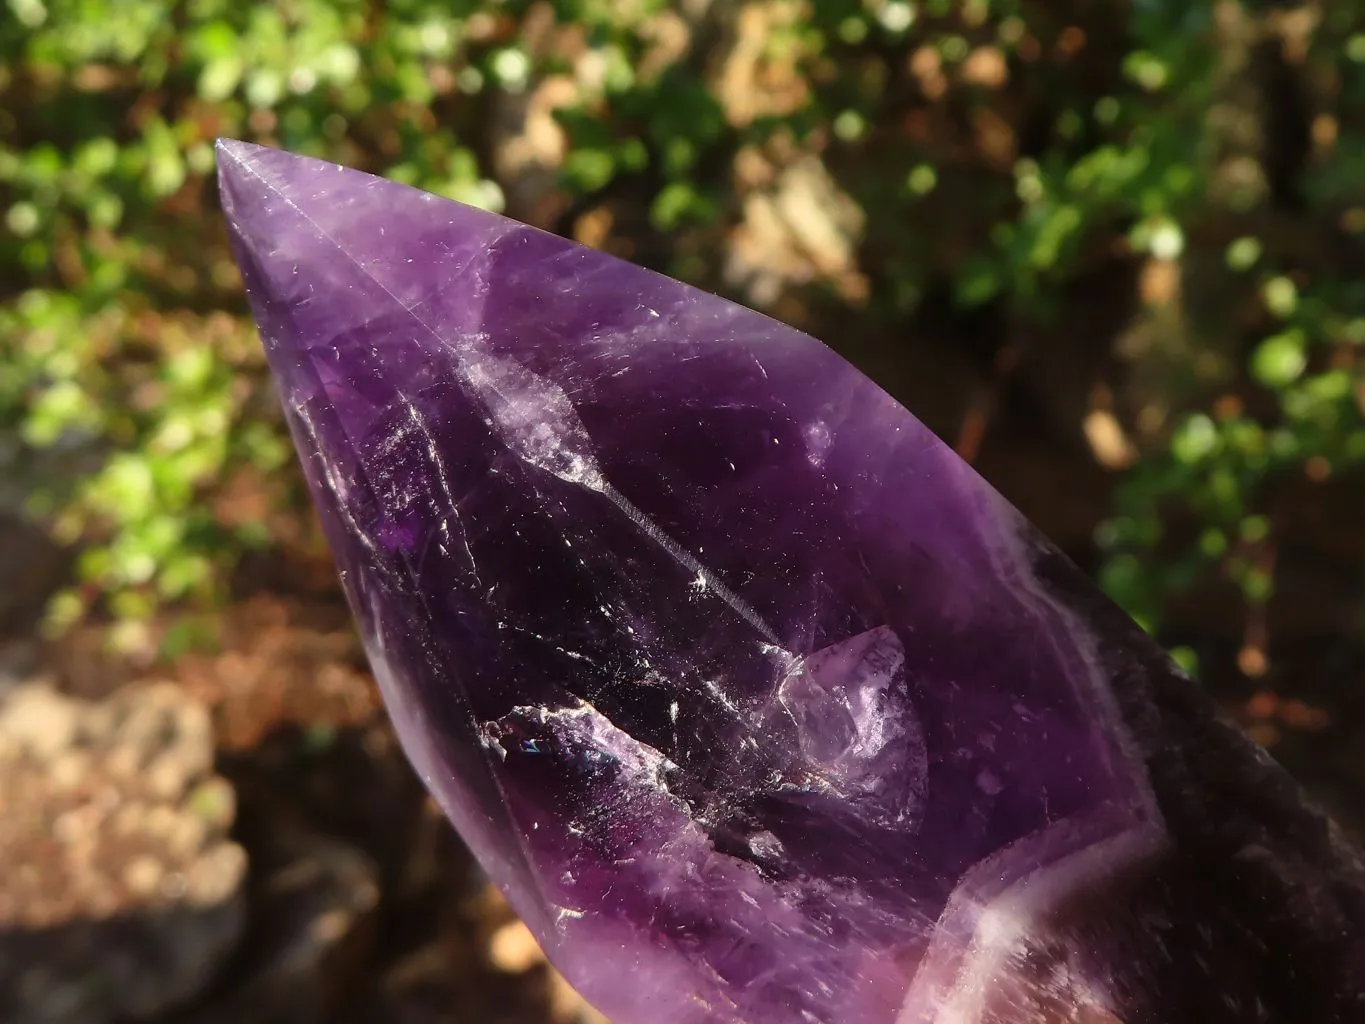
[757, 701]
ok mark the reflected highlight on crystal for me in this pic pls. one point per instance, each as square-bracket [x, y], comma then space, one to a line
[757, 701]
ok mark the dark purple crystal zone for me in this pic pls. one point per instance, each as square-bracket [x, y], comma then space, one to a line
[724, 666]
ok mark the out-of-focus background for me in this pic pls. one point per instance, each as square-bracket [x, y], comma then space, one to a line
[1112, 251]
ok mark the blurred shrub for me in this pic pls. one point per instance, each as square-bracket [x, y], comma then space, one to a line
[996, 151]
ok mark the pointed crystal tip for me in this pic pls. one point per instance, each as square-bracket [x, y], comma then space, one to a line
[237, 161]
[235, 150]
[757, 701]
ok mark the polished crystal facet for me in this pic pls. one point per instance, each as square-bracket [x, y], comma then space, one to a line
[758, 702]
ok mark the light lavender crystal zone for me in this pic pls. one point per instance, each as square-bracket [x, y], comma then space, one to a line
[726, 668]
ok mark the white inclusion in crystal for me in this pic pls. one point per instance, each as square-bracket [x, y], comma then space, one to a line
[785, 659]
[536, 419]
[719, 694]
[818, 442]
[541, 426]
[339, 486]
[767, 846]
[580, 726]
[490, 742]
[689, 562]
[855, 723]
[419, 424]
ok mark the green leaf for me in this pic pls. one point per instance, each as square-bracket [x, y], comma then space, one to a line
[220, 78]
[1243, 253]
[589, 170]
[1281, 296]
[1195, 440]
[677, 203]
[1280, 359]
[217, 40]
[978, 284]
[922, 180]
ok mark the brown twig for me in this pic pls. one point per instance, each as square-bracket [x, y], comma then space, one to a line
[981, 410]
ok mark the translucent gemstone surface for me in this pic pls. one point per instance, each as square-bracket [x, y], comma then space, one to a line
[756, 700]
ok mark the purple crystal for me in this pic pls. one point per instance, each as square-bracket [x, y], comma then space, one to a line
[758, 702]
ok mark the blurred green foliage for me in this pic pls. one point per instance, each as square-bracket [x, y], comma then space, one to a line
[1000, 151]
